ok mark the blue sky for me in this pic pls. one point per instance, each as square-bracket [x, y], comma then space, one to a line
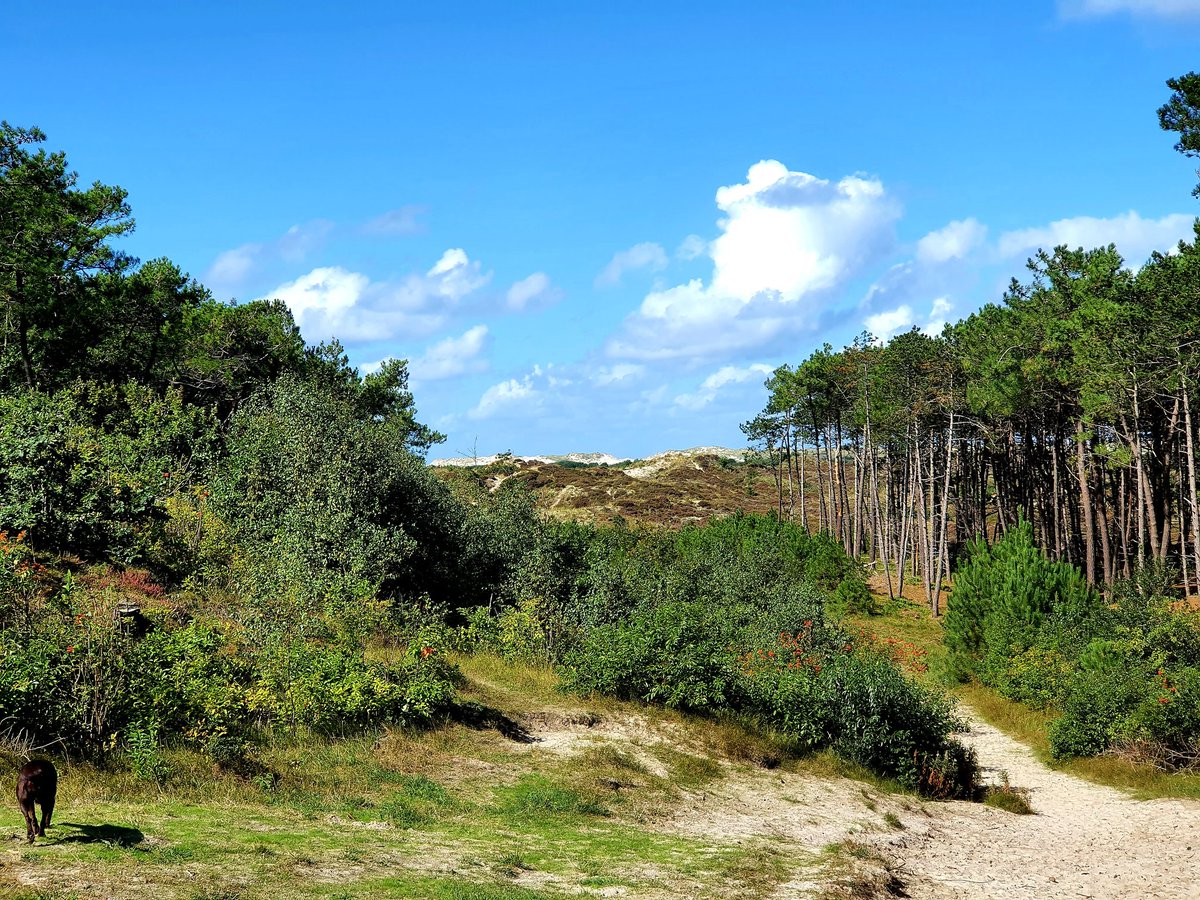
[597, 226]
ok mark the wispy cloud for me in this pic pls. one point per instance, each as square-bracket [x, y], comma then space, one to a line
[521, 397]
[452, 357]
[232, 269]
[640, 256]
[403, 221]
[534, 292]
[711, 386]
[1134, 236]
[1161, 9]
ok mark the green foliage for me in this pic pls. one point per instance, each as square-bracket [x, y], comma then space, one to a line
[720, 618]
[895, 727]
[676, 654]
[326, 503]
[1006, 596]
[1120, 674]
[54, 240]
[334, 688]
[1181, 114]
[90, 468]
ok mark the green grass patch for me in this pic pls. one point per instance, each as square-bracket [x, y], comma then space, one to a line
[535, 794]
[1009, 800]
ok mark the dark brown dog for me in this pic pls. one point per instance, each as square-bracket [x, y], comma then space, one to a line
[37, 782]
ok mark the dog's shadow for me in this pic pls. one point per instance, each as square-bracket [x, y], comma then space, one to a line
[113, 835]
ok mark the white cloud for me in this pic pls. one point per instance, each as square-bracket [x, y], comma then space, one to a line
[939, 315]
[640, 256]
[456, 275]
[1164, 9]
[333, 302]
[954, 241]
[1134, 236]
[504, 396]
[885, 324]
[788, 240]
[232, 266]
[619, 374]
[888, 323]
[692, 247]
[535, 291]
[711, 386]
[231, 270]
[523, 396]
[452, 356]
[405, 220]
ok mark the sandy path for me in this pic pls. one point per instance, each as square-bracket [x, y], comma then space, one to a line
[1084, 841]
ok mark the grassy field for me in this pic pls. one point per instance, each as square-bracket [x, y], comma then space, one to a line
[466, 810]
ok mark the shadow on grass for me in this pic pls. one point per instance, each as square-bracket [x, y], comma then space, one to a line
[483, 718]
[116, 835]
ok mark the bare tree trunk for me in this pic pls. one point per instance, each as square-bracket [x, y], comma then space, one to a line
[803, 490]
[941, 555]
[1085, 500]
[822, 511]
[904, 497]
[1191, 474]
[922, 526]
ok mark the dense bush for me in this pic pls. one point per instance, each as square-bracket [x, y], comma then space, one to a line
[1121, 675]
[88, 468]
[727, 617]
[76, 675]
[325, 504]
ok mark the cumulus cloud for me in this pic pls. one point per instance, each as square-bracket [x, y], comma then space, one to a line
[889, 322]
[954, 241]
[399, 222]
[536, 291]
[333, 302]
[1163, 9]
[1134, 236]
[711, 386]
[640, 256]
[939, 315]
[232, 269]
[788, 241]
[452, 357]
[522, 396]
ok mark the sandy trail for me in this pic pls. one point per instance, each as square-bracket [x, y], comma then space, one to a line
[1084, 841]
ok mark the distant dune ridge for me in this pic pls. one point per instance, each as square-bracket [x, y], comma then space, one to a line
[652, 463]
[674, 489]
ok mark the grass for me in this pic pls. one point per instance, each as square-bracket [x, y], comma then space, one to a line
[1009, 800]
[457, 811]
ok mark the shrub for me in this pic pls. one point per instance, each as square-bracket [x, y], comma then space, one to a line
[677, 654]
[333, 687]
[89, 469]
[1007, 599]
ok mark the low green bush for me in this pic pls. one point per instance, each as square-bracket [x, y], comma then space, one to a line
[1121, 673]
